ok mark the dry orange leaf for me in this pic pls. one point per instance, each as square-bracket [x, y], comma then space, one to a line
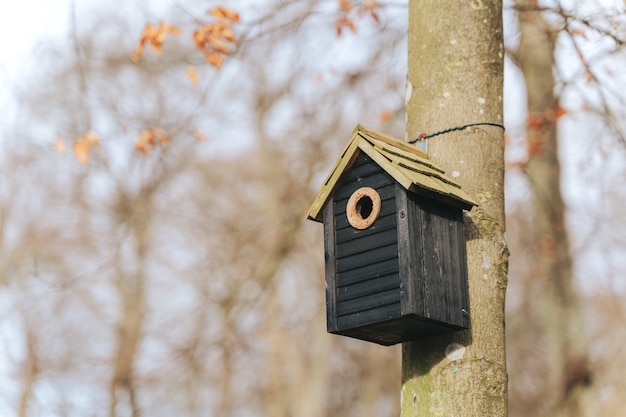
[385, 116]
[200, 137]
[344, 22]
[215, 40]
[155, 36]
[192, 74]
[516, 164]
[536, 121]
[560, 111]
[218, 45]
[227, 33]
[345, 5]
[149, 138]
[144, 142]
[91, 138]
[81, 151]
[224, 13]
[214, 59]
[369, 7]
[161, 137]
[82, 147]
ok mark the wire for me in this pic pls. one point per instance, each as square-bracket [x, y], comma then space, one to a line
[424, 136]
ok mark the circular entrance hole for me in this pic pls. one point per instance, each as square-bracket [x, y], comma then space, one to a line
[363, 208]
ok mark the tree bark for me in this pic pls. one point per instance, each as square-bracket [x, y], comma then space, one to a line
[456, 78]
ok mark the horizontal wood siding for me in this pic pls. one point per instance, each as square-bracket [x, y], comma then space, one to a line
[381, 314]
[368, 282]
[370, 286]
[377, 269]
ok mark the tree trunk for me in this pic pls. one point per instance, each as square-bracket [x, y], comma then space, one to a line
[456, 78]
[550, 295]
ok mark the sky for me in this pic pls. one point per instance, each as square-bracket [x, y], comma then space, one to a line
[22, 24]
[25, 23]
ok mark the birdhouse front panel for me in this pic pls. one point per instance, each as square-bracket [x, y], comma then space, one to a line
[366, 258]
[394, 243]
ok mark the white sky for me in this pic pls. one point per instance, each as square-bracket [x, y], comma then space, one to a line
[22, 24]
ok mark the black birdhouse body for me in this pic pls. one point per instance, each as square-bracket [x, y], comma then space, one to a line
[394, 244]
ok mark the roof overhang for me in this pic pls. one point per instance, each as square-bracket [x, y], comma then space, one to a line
[406, 164]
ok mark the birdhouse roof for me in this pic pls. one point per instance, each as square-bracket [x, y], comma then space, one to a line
[409, 166]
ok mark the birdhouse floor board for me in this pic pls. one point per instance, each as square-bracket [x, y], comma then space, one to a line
[387, 267]
[368, 287]
[391, 331]
[371, 257]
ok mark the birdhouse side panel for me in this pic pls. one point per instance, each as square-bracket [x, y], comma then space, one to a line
[441, 291]
[366, 260]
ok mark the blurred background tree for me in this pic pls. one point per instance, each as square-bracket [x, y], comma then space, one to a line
[562, 53]
[161, 265]
[156, 258]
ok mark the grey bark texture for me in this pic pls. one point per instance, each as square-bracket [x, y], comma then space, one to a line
[456, 78]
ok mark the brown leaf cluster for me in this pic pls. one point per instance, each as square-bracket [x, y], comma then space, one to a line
[216, 39]
[149, 138]
[82, 147]
[154, 36]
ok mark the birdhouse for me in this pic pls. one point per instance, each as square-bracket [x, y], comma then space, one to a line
[394, 244]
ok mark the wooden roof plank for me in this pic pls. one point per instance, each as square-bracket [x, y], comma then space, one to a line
[343, 163]
[426, 181]
[407, 155]
[441, 187]
[418, 167]
[390, 140]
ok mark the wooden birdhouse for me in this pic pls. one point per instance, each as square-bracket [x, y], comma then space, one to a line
[394, 243]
